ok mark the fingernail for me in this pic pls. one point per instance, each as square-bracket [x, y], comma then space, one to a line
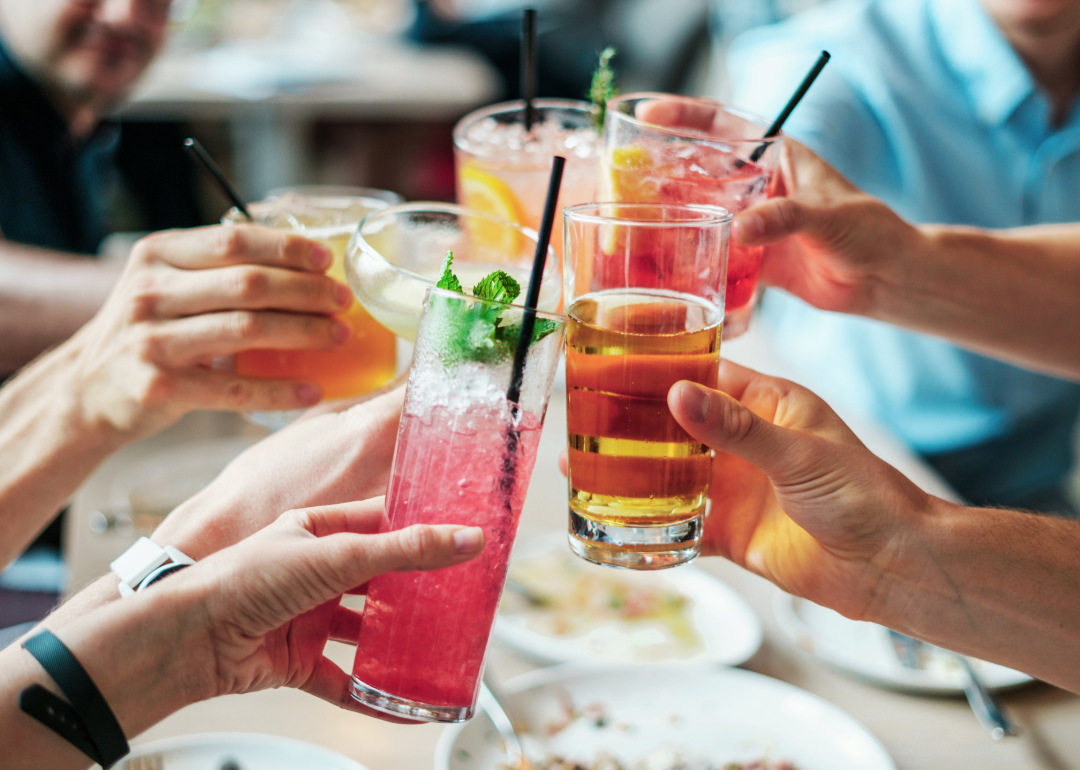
[342, 332]
[343, 295]
[696, 401]
[469, 540]
[309, 393]
[748, 227]
[320, 256]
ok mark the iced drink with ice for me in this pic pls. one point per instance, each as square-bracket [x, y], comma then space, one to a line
[702, 154]
[504, 169]
[368, 360]
[464, 456]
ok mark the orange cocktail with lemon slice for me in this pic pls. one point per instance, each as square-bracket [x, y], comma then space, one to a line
[503, 170]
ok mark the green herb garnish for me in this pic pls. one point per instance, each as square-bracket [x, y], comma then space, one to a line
[497, 286]
[603, 86]
[448, 280]
[477, 332]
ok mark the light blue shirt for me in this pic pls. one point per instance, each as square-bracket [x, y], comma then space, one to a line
[926, 106]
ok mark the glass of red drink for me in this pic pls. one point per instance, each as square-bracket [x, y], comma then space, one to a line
[660, 148]
[464, 456]
[645, 287]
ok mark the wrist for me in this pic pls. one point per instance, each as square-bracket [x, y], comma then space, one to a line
[914, 577]
[147, 654]
[201, 526]
[899, 280]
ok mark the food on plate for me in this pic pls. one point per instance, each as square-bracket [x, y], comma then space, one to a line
[661, 759]
[622, 614]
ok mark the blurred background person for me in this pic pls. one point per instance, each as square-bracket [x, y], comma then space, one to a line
[951, 111]
[663, 44]
[64, 66]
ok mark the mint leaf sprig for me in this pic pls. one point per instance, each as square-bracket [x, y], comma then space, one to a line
[477, 332]
[603, 86]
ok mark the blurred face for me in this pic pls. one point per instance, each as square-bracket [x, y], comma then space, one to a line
[90, 51]
[1034, 16]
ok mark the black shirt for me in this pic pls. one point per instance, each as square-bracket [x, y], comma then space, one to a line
[52, 188]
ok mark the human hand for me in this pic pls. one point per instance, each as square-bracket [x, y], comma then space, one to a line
[796, 497]
[827, 242]
[265, 608]
[188, 296]
[321, 460]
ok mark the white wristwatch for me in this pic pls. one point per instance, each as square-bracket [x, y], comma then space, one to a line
[145, 562]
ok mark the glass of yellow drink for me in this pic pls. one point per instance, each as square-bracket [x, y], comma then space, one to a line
[645, 301]
[368, 360]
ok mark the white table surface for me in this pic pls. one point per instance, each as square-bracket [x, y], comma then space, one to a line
[921, 733]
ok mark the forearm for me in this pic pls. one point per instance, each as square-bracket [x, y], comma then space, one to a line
[999, 585]
[48, 446]
[1012, 294]
[139, 653]
[45, 297]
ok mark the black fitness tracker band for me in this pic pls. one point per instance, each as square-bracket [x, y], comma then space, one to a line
[87, 723]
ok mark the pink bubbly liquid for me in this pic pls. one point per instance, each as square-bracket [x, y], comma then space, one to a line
[692, 173]
[423, 635]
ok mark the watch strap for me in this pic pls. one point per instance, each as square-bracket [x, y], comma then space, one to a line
[86, 700]
[137, 563]
[58, 716]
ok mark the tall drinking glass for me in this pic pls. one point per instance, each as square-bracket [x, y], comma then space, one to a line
[397, 255]
[504, 170]
[464, 456]
[368, 360]
[644, 291]
[660, 148]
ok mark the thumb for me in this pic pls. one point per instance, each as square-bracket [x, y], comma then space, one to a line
[726, 425]
[775, 220]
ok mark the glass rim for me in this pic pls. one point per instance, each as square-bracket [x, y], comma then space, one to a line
[234, 217]
[612, 109]
[336, 192]
[710, 215]
[451, 294]
[512, 106]
[441, 208]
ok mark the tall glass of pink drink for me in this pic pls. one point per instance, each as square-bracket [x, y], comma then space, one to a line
[660, 148]
[464, 456]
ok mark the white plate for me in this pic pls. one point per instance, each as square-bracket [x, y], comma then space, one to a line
[727, 627]
[707, 715]
[865, 651]
[250, 751]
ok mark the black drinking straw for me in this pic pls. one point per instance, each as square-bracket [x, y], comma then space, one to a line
[532, 296]
[528, 64]
[793, 102]
[202, 157]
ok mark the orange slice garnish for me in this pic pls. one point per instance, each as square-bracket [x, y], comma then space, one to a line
[485, 192]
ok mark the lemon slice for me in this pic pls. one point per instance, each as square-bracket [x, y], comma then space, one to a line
[483, 191]
[629, 177]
